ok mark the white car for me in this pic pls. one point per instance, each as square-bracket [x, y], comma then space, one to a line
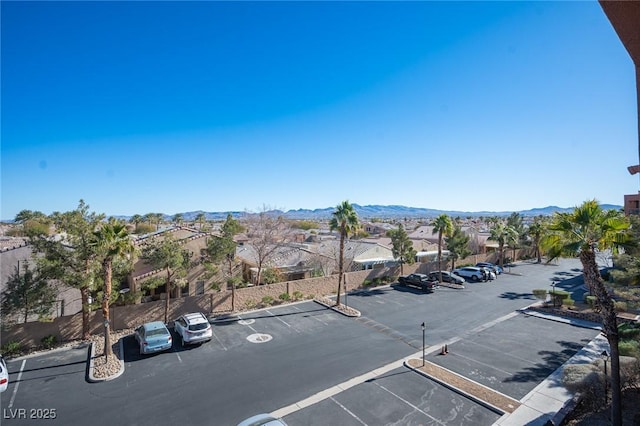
[4, 375]
[193, 328]
[472, 272]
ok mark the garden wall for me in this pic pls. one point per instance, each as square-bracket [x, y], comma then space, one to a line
[67, 328]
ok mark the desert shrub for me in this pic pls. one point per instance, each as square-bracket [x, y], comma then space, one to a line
[267, 300]
[620, 306]
[629, 330]
[311, 296]
[560, 296]
[367, 283]
[629, 348]
[11, 348]
[144, 228]
[540, 293]
[49, 341]
[297, 295]
[588, 380]
[284, 297]
[591, 301]
[570, 303]
[250, 304]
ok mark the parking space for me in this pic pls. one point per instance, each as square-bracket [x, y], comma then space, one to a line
[36, 383]
[400, 397]
[514, 356]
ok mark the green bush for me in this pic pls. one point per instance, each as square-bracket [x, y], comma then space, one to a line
[297, 295]
[591, 301]
[540, 293]
[267, 300]
[284, 297]
[49, 341]
[568, 302]
[11, 348]
[629, 348]
[367, 283]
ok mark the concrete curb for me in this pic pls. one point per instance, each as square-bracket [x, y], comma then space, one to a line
[91, 378]
[460, 391]
[354, 313]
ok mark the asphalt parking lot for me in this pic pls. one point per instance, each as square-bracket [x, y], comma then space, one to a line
[267, 360]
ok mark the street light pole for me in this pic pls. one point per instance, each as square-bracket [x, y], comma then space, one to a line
[553, 293]
[423, 329]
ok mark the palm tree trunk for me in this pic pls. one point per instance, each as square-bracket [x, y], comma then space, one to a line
[340, 265]
[84, 296]
[440, 256]
[106, 297]
[168, 296]
[594, 281]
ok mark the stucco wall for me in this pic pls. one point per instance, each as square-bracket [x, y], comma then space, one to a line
[129, 316]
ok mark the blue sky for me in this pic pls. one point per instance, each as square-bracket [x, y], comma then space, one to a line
[141, 107]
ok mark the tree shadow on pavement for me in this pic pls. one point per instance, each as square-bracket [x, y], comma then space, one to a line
[551, 360]
[513, 296]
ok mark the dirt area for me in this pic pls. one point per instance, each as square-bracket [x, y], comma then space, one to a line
[496, 399]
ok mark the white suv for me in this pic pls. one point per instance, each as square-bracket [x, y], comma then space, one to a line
[193, 328]
[472, 272]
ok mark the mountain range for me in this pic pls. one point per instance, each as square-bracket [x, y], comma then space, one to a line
[382, 212]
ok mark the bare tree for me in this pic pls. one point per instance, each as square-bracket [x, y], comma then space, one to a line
[267, 231]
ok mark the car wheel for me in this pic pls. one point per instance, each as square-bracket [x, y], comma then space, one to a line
[474, 278]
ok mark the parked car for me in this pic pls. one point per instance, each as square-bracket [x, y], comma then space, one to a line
[496, 268]
[421, 281]
[471, 272]
[153, 337]
[262, 420]
[447, 277]
[4, 375]
[193, 328]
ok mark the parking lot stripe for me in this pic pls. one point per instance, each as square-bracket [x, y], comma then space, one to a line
[15, 389]
[219, 341]
[348, 411]
[280, 319]
[410, 404]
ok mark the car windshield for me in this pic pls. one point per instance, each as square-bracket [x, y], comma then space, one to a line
[199, 326]
[156, 332]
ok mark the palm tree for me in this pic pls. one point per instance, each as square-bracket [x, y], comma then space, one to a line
[178, 218]
[443, 226]
[112, 240]
[200, 218]
[136, 219]
[503, 234]
[535, 231]
[581, 233]
[344, 219]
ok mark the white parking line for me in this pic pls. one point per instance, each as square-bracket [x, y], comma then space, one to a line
[348, 411]
[15, 389]
[178, 355]
[219, 341]
[278, 318]
[410, 404]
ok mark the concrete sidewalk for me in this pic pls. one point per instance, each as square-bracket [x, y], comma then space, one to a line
[550, 401]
